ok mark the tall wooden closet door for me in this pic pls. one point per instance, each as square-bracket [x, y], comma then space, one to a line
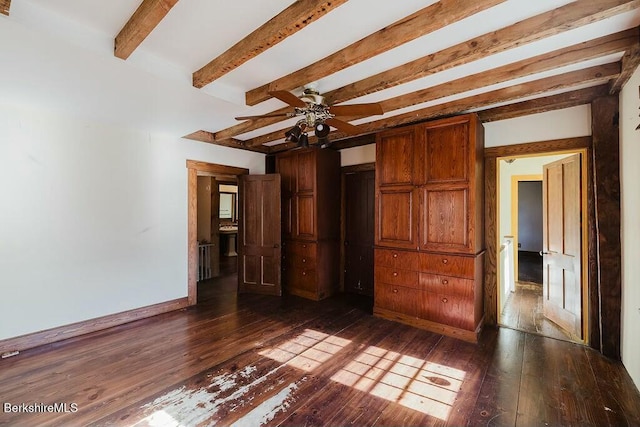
[396, 201]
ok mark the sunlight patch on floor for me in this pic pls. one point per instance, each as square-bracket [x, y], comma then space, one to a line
[307, 351]
[423, 386]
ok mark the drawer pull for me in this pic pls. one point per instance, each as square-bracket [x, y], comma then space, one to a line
[304, 260]
[395, 291]
[395, 255]
[304, 273]
[395, 274]
[445, 282]
[445, 261]
[304, 246]
[444, 300]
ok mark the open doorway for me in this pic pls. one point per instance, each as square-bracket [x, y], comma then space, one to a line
[211, 268]
[541, 289]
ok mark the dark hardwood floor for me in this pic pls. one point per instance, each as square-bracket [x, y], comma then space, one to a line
[253, 360]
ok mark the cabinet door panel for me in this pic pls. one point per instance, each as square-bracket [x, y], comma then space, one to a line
[286, 168]
[395, 157]
[395, 217]
[443, 153]
[444, 219]
[305, 217]
[306, 171]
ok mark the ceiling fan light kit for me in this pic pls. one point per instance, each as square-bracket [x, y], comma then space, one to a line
[317, 115]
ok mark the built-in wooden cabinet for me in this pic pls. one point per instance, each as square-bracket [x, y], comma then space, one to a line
[429, 222]
[310, 221]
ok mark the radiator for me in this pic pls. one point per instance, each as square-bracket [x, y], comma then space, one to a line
[204, 261]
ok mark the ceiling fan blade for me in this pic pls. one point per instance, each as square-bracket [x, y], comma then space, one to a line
[265, 115]
[288, 98]
[343, 126]
[372, 109]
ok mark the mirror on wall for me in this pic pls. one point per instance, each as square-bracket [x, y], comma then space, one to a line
[228, 202]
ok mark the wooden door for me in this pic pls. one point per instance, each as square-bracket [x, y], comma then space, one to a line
[396, 198]
[562, 244]
[286, 167]
[359, 231]
[443, 163]
[259, 238]
[304, 203]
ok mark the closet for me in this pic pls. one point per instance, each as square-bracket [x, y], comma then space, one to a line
[429, 253]
[310, 179]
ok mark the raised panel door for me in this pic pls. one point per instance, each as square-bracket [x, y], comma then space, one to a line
[443, 153]
[305, 215]
[396, 217]
[395, 157]
[286, 167]
[444, 219]
[306, 171]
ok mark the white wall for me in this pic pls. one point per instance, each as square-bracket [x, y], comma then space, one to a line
[93, 219]
[630, 233]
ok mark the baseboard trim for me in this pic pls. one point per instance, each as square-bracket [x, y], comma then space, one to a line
[60, 333]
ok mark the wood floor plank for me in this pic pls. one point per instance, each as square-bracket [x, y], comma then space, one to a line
[497, 403]
[619, 394]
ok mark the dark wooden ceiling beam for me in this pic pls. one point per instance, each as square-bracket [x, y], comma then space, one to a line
[5, 5]
[618, 42]
[204, 136]
[425, 21]
[630, 62]
[542, 105]
[593, 75]
[142, 22]
[291, 20]
[565, 18]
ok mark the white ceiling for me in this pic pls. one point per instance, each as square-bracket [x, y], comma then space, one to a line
[59, 54]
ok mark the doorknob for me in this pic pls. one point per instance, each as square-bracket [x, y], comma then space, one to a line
[276, 246]
[544, 253]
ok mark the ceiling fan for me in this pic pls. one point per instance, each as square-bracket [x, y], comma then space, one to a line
[317, 115]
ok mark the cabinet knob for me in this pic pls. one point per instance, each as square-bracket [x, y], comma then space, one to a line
[304, 260]
[395, 291]
[444, 300]
[304, 273]
[445, 261]
[395, 274]
[304, 246]
[395, 255]
[445, 282]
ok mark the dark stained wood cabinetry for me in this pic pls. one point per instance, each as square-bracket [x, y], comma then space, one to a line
[310, 221]
[429, 222]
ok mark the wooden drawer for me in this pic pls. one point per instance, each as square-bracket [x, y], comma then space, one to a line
[300, 261]
[306, 249]
[396, 276]
[397, 298]
[447, 285]
[448, 265]
[304, 279]
[449, 309]
[397, 259]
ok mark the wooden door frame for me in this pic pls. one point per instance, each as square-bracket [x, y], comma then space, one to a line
[193, 168]
[591, 309]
